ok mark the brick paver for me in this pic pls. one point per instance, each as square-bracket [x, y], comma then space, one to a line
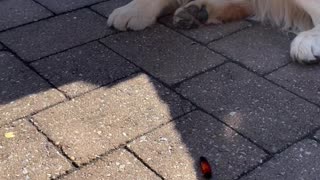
[79, 100]
[26, 154]
[105, 118]
[106, 8]
[59, 6]
[301, 161]
[18, 12]
[22, 91]
[302, 80]
[260, 48]
[117, 165]
[55, 34]
[174, 149]
[84, 68]
[209, 33]
[262, 111]
[164, 53]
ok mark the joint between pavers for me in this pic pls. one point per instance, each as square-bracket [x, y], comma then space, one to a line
[276, 69]
[177, 85]
[51, 16]
[45, 7]
[57, 147]
[144, 163]
[32, 69]
[73, 47]
[307, 136]
[98, 13]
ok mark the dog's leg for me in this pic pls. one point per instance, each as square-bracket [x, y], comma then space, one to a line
[305, 48]
[139, 14]
[211, 12]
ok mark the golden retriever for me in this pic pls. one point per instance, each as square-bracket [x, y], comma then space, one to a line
[300, 16]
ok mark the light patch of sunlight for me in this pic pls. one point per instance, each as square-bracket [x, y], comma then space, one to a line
[234, 119]
[104, 118]
[24, 106]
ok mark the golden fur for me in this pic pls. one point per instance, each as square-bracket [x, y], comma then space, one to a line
[300, 16]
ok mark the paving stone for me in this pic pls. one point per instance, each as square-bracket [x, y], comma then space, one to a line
[84, 68]
[302, 80]
[208, 33]
[22, 91]
[317, 135]
[107, 117]
[106, 8]
[301, 161]
[267, 114]
[117, 165]
[26, 154]
[18, 12]
[174, 150]
[59, 6]
[43, 38]
[164, 53]
[260, 48]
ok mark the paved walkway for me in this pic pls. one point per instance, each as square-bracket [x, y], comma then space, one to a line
[81, 101]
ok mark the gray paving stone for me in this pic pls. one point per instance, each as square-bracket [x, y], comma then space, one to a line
[302, 80]
[174, 150]
[103, 119]
[55, 34]
[22, 91]
[59, 6]
[117, 165]
[206, 34]
[26, 154]
[301, 161]
[269, 115]
[84, 68]
[260, 48]
[164, 53]
[107, 7]
[17, 12]
[317, 135]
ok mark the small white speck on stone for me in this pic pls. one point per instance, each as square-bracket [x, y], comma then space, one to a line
[308, 153]
[163, 139]
[25, 171]
[233, 113]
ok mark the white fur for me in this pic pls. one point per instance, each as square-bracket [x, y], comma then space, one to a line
[300, 16]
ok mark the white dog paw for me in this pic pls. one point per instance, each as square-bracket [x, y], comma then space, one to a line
[134, 16]
[305, 48]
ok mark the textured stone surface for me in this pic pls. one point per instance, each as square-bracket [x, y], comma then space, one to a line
[106, 8]
[317, 135]
[56, 34]
[164, 53]
[302, 80]
[26, 154]
[84, 68]
[22, 91]
[105, 118]
[267, 114]
[117, 165]
[59, 6]
[18, 12]
[206, 34]
[260, 48]
[174, 150]
[301, 161]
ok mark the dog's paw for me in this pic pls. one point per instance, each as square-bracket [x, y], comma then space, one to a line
[190, 16]
[305, 48]
[134, 16]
